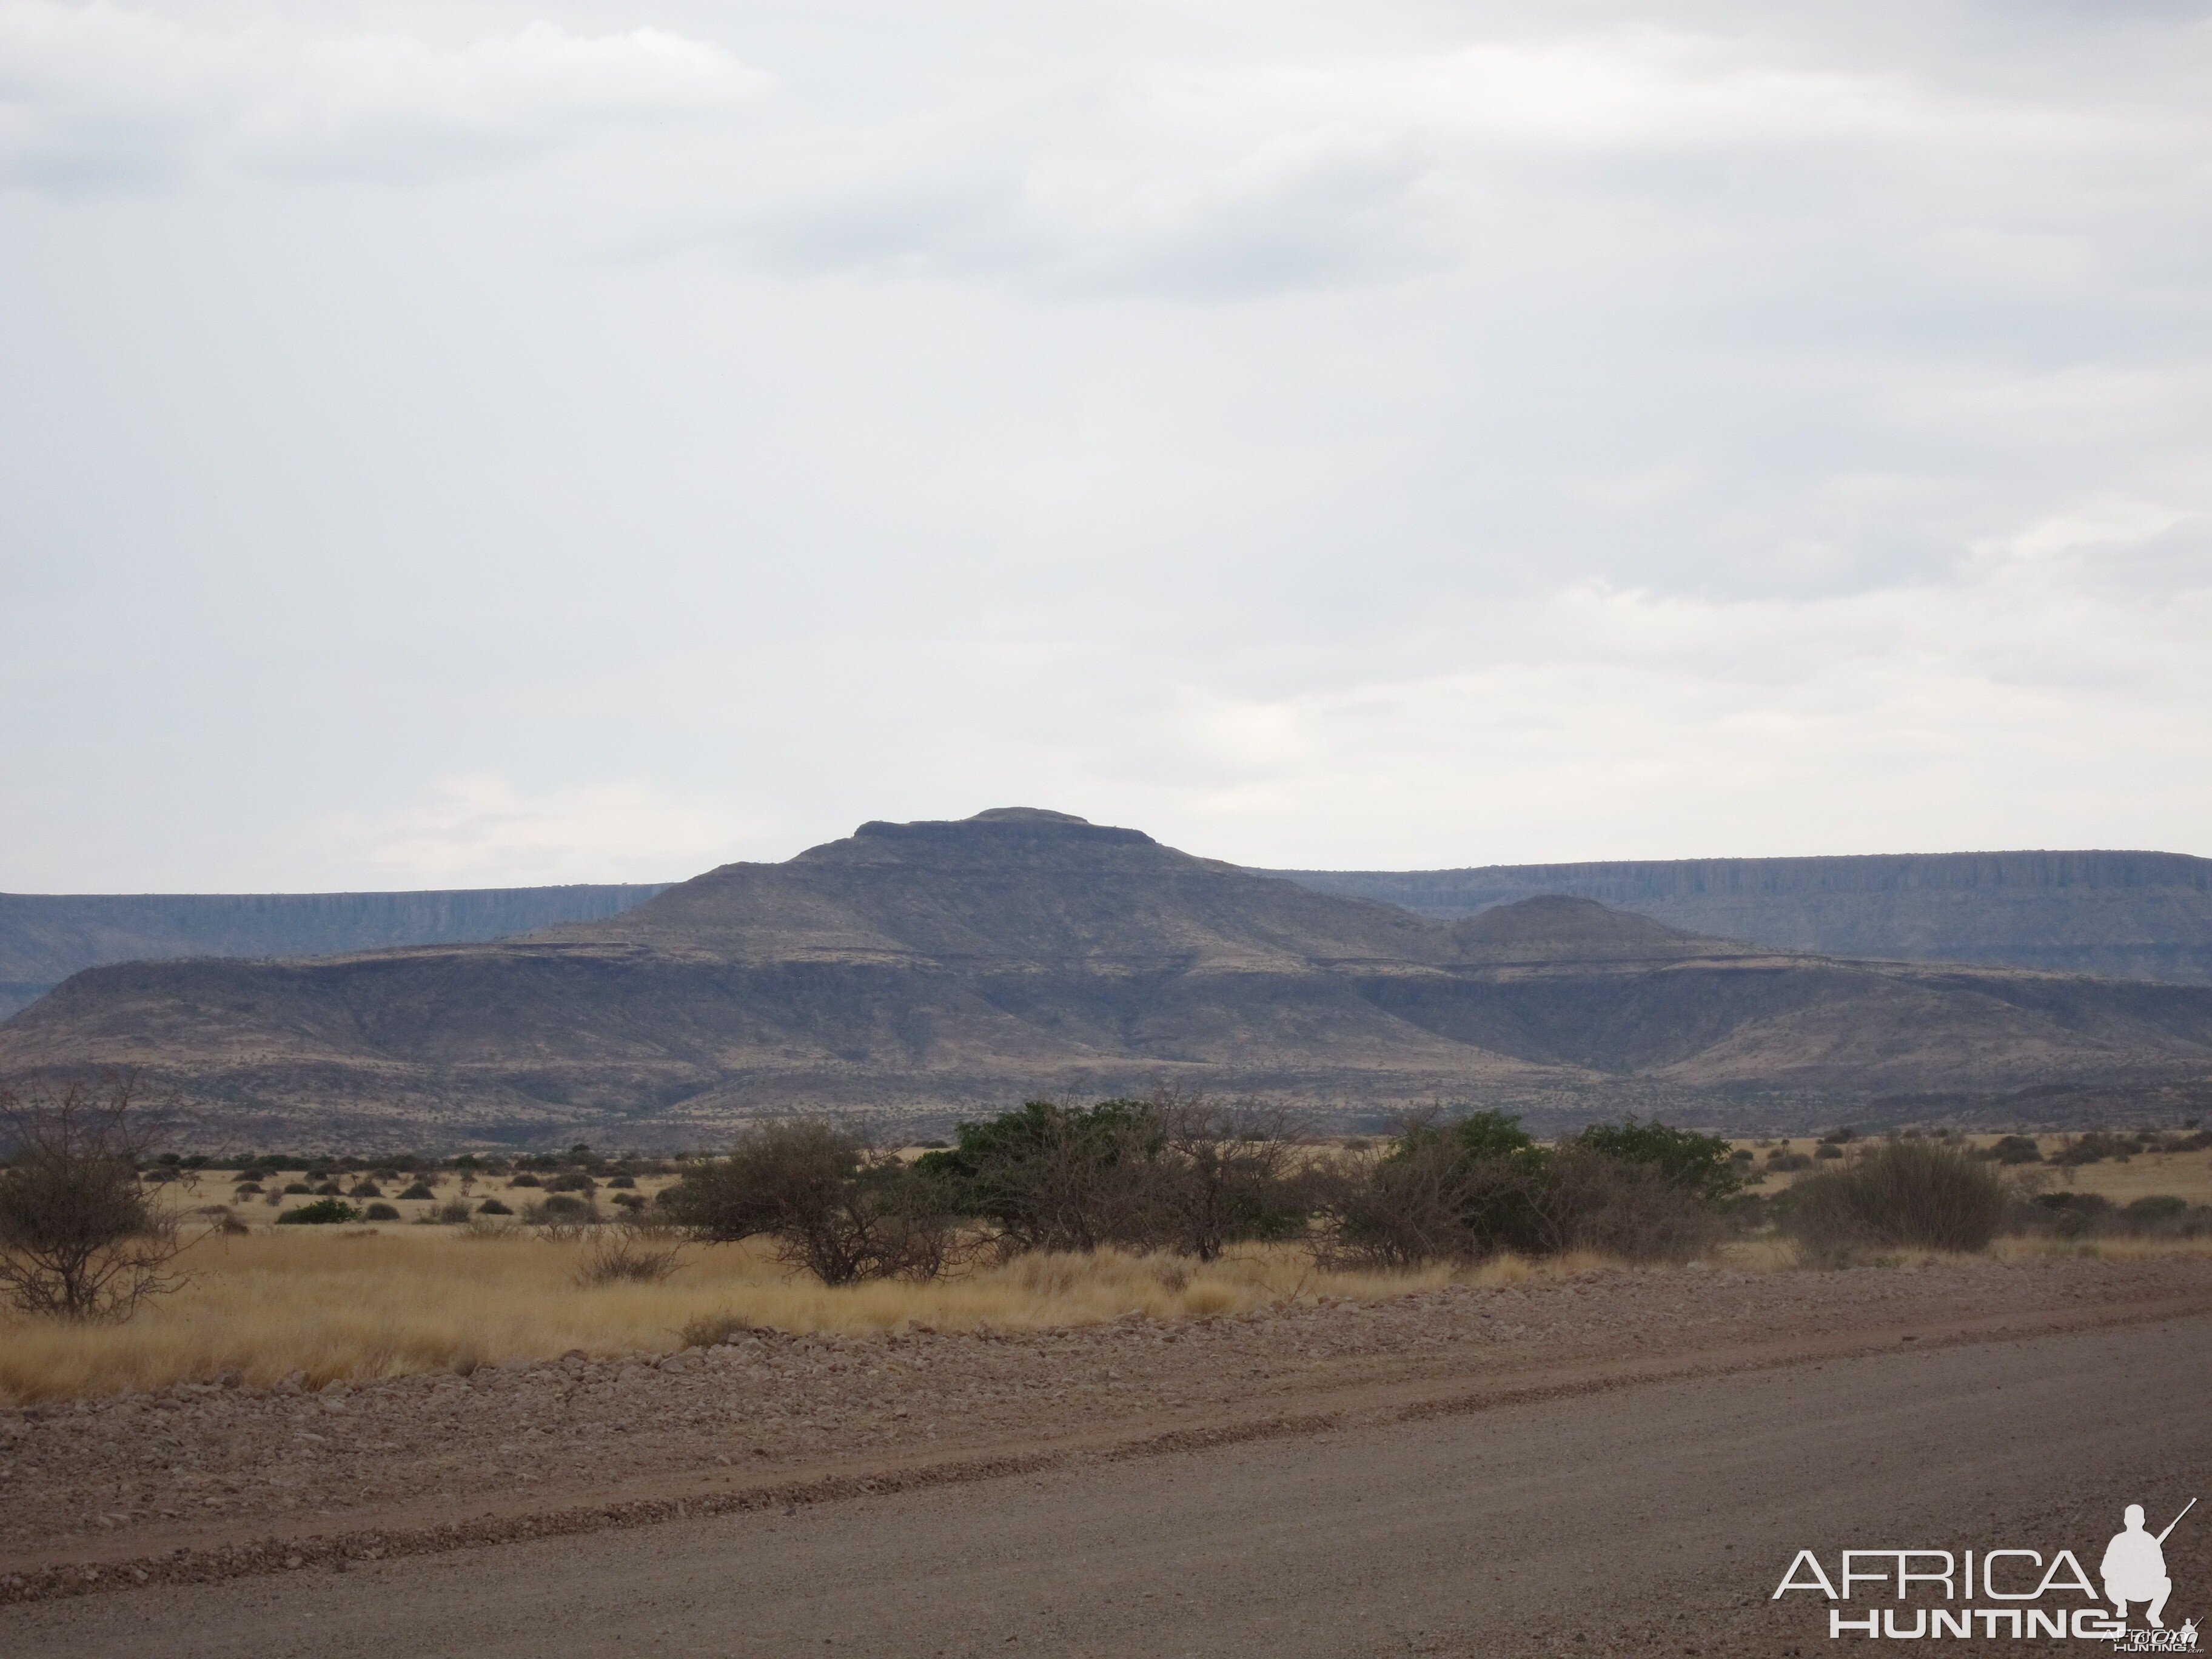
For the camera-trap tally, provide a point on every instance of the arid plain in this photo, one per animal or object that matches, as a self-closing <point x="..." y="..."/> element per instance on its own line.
<point x="406" y="1402"/>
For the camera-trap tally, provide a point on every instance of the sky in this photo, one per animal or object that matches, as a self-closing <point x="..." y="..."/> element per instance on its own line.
<point x="476" y="444"/>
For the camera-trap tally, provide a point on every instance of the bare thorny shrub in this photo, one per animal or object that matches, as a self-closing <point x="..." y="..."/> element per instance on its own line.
<point x="79" y="1236"/>
<point x="1409" y="1210"/>
<point x="1223" y="1173"/>
<point x="1906" y="1193"/>
<point x="1592" y="1202"/>
<point x="631" y="1253"/>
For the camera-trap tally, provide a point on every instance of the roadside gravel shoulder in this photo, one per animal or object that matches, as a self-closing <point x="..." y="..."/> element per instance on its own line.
<point x="119" y="1478"/>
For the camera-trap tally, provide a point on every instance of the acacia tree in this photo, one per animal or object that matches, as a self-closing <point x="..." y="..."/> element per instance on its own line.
<point x="1054" y="1177"/>
<point x="831" y="1202"/>
<point x="79" y="1236"/>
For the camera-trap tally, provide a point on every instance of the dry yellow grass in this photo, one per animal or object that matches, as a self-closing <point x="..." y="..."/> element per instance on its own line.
<point x="358" y="1302"/>
<point x="332" y="1302"/>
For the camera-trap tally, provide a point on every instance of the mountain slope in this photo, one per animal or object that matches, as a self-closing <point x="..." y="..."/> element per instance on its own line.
<point x="921" y="970"/>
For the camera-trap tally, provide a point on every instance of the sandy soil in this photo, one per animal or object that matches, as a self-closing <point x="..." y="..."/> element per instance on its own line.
<point x="429" y="1462"/>
<point x="1644" y="1519"/>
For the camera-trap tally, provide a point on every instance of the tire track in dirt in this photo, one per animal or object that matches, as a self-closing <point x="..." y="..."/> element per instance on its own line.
<point x="423" y="1531"/>
<point x="1628" y="1522"/>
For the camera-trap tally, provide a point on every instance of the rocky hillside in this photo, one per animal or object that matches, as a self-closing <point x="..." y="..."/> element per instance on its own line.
<point x="2124" y="916"/>
<point x="920" y="971"/>
<point x="45" y="937"/>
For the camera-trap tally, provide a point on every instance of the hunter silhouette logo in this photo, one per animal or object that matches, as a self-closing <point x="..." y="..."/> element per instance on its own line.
<point x="2025" y="1595"/>
<point x="2135" y="1566"/>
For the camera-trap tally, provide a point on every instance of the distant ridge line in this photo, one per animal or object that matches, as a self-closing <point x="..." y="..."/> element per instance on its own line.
<point x="46" y="937"/>
<point x="2129" y="915"/>
<point x="2134" y="914"/>
<point x="1861" y="871"/>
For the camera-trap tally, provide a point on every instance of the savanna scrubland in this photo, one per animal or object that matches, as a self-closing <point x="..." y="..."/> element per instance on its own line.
<point x="1056" y="1216"/>
<point x="574" y="1340"/>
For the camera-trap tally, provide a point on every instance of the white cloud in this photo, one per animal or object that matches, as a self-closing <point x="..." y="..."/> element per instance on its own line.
<point x="2019" y="703"/>
<point x="1319" y="435"/>
<point x="483" y="831"/>
<point x="100" y="93"/>
<point x="1214" y="179"/>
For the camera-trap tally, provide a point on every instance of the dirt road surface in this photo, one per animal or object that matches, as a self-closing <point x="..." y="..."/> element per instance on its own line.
<point x="1650" y="1518"/>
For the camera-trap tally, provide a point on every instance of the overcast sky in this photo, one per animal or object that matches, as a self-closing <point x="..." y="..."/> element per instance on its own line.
<point x="470" y="444"/>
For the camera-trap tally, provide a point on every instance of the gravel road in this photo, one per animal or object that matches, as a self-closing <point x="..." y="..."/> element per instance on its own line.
<point x="1648" y="1518"/>
<point x="202" y="1467"/>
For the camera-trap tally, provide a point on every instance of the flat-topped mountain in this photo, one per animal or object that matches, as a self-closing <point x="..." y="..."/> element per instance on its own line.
<point x="925" y="970"/>
<point x="2124" y="916"/>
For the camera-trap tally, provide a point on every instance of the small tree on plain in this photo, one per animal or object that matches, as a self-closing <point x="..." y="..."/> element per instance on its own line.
<point x="1226" y="1173"/>
<point x="832" y="1203"/>
<point x="1057" y="1177"/>
<point x="80" y="1238"/>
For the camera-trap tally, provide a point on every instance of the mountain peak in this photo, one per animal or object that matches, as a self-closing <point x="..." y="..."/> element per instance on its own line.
<point x="1023" y="815"/>
<point x="1000" y="835"/>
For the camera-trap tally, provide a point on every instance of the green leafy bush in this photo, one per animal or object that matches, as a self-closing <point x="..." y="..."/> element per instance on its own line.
<point x="1699" y="1165"/>
<point x="2016" y="1149"/>
<point x="1469" y="1189"/>
<point x="1054" y="1177"/>
<point x="380" y="1212"/>
<point x="831" y="1203"/>
<point x="323" y="1212"/>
